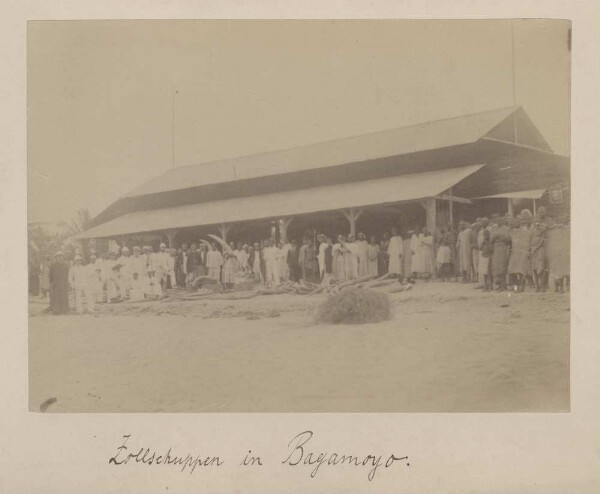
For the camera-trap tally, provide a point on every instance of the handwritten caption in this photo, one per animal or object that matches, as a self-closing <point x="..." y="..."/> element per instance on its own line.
<point x="298" y="454"/>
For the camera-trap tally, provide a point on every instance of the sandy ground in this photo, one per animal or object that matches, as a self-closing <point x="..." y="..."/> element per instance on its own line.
<point x="448" y="348"/>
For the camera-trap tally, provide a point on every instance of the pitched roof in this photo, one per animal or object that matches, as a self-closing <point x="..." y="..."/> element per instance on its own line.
<point x="281" y="204"/>
<point x="436" y="134"/>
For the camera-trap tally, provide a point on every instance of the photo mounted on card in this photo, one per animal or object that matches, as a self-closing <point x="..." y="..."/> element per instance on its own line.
<point x="299" y="215"/>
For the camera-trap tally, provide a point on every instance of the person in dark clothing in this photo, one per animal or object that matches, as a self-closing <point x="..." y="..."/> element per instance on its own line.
<point x="201" y="256"/>
<point x="328" y="258"/>
<point x="179" y="276"/>
<point x="59" y="285"/>
<point x="192" y="261"/>
<point x="292" y="261"/>
<point x="487" y="249"/>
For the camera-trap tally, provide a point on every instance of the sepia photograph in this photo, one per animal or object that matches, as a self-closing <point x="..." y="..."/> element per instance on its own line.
<point x="299" y="216"/>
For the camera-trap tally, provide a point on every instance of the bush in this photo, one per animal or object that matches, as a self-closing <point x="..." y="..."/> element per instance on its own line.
<point x="355" y="306"/>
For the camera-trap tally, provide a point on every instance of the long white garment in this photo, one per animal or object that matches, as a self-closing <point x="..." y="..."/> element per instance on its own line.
<point x="395" y="251"/>
<point x="482" y="263"/>
<point x="79" y="279"/>
<point x="351" y="258"/>
<point x="256" y="264"/>
<point x="282" y="263"/>
<point x="321" y="258"/>
<point x="284" y="270"/>
<point x="339" y="263"/>
<point x="426" y="252"/>
<point x="94" y="277"/>
<point x="160" y="262"/>
<point x="363" y="258"/>
<point x="152" y="286"/>
<point x="373" y="257"/>
<point x="124" y="275"/>
<point x="463" y="251"/>
<point x="138" y="266"/>
<point x="184" y="266"/>
<point x="214" y="261"/>
<point x="271" y="266"/>
<point x="242" y="257"/>
<point x="171" y="271"/>
<point x="78" y="276"/>
<point x="417" y="258"/>
<point x="93" y="282"/>
<point x="109" y="279"/>
<point x="149" y="258"/>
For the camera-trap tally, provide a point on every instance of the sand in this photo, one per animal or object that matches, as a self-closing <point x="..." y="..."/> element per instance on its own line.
<point x="447" y="348"/>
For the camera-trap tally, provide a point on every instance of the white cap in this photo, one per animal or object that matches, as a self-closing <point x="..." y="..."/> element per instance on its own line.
<point x="163" y="244"/>
<point x="77" y="258"/>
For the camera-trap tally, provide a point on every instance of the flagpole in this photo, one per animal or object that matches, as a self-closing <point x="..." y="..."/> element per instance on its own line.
<point x="512" y="38"/>
<point x="514" y="85"/>
<point x="173" y="129"/>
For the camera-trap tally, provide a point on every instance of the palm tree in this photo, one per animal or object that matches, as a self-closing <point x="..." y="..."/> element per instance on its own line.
<point x="78" y="224"/>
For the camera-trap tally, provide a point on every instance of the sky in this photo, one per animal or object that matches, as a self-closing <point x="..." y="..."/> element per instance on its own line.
<point x="112" y="104"/>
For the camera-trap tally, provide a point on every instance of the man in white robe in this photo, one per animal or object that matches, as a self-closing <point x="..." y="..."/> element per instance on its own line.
<point x="242" y="257"/>
<point x="415" y="262"/>
<point x="321" y="255"/>
<point x="284" y="270"/>
<point x="94" y="268"/>
<point x="109" y="277"/>
<point x="271" y="264"/>
<point x="351" y="258"/>
<point x="395" y="253"/>
<point x="256" y="267"/>
<point x="79" y="280"/>
<point x="463" y="251"/>
<point x="124" y="273"/>
<point x="138" y="264"/>
<point x="172" y="280"/>
<point x="93" y="281"/>
<point x="339" y="262"/>
<point x="214" y="261"/>
<point x="482" y="262"/>
<point x="426" y="254"/>
<point x="363" y="258"/>
<point x="281" y="261"/>
<point x="160" y="261"/>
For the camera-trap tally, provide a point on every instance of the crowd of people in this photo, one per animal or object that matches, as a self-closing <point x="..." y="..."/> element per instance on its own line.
<point x="495" y="253"/>
<point x="505" y="252"/>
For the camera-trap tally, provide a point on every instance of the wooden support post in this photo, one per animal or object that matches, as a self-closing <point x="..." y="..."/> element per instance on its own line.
<point x="430" y="206"/>
<point x="223" y="231"/>
<point x="352" y="216"/>
<point x="510" y="206"/>
<point x="534" y="209"/>
<point x="171" y="237"/>
<point x="283" y="224"/>
<point x="430" y="214"/>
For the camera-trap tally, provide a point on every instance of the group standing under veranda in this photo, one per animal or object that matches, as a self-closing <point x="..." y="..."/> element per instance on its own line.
<point x="501" y="251"/>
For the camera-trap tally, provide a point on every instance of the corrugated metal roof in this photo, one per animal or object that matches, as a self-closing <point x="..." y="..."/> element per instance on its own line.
<point x="436" y="134"/>
<point x="522" y="194"/>
<point x="326" y="198"/>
